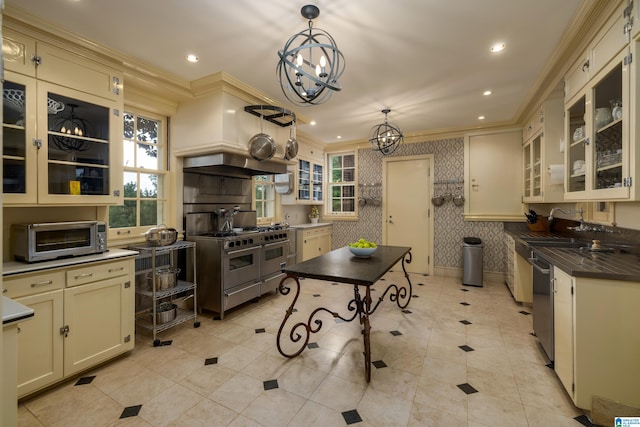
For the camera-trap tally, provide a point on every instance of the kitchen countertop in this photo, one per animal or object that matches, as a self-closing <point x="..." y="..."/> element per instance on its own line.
<point x="17" y="267"/>
<point x="309" y="225"/>
<point x="13" y="311"/>
<point x="580" y="262"/>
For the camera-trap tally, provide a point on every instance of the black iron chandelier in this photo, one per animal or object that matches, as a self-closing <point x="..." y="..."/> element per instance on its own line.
<point x="386" y="137"/>
<point x="71" y="129"/>
<point x="310" y="64"/>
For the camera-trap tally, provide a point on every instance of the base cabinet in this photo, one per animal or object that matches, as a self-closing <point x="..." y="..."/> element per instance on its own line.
<point x="313" y="242"/>
<point x="519" y="273"/>
<point x="82" y="316"/>
<point x="597" y="345"/>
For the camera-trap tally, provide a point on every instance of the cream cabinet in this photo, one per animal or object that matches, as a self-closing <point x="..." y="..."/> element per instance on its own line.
<point x="544" y="136"/>
<point x="489" y="196"/>
<point x="309" y="183"/>
<point x="82" y="316"/>
<point x="313" y="241"/>
<point x="61" y="127"/>
<point x="595" y="335"/>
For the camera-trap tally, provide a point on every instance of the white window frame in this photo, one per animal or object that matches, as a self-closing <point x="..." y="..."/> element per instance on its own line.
<point x="328" y="205"/>
<point x="135" y="232"/>
<point x="269" y="201"/>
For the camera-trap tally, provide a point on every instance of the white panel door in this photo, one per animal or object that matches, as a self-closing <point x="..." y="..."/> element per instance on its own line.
<point x="407" y="219"/>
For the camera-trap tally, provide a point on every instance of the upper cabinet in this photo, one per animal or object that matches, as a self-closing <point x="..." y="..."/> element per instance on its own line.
<point x="542" y="148"/>
<point x="61" y="126"/>
<point x="309" y="183"/>
<point x="599" y="157"/>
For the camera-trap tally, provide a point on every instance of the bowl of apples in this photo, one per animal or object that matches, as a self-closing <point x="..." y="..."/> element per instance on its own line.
<point x="362" y="248"/>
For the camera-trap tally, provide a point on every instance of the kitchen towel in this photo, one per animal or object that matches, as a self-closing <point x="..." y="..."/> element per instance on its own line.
<point x="557" y="174"/>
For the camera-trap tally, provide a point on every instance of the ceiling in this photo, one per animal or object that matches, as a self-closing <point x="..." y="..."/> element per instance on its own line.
<point x="426" y="60"/>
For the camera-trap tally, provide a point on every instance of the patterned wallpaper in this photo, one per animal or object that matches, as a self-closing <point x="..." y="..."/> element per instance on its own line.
<point x="449" y="226"/>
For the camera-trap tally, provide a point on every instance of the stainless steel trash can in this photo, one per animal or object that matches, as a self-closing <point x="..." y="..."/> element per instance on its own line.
<point x="472" y="261"/>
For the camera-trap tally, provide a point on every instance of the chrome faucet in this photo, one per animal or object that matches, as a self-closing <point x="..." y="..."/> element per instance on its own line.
<point x="580" y="211"/>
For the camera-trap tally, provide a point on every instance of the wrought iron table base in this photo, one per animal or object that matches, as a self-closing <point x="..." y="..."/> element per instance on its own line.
<point x="360" y="307"/>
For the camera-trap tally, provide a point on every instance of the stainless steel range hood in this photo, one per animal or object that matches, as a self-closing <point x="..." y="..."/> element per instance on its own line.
<point x="231" y="164"/>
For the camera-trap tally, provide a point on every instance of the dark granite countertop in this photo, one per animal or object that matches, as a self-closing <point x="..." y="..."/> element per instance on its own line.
<point x="580" y="262"/>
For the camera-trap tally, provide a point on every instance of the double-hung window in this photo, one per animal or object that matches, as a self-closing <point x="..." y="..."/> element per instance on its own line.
<point x="264" y="198"/>
<point x="342" y="185"/>
<point x="145" y="175"/>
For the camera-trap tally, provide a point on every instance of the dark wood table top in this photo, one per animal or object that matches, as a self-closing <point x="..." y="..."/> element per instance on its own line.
<point x="342" y="266"/>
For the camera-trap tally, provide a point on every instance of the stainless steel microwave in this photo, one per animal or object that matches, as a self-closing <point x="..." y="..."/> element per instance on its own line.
<point x="47" y="241"/>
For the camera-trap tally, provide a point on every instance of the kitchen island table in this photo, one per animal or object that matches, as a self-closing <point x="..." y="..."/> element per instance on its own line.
<point x="343" y="267"/>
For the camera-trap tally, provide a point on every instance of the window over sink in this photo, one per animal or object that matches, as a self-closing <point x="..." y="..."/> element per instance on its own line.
<point x="342" y="185"/>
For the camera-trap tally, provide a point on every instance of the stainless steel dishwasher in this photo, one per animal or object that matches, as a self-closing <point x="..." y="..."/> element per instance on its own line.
<point x="543" y="303"/>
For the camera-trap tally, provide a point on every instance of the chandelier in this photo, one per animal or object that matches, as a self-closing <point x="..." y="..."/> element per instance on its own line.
<point x="70" y="128"/>
<point x="310" y="64"/>
<point x="386" y="137"/>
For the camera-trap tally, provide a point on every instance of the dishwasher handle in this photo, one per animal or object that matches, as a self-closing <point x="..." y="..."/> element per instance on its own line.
<point x="542" y="270"/>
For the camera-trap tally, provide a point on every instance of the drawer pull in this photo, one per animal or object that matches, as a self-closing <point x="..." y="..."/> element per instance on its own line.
<point x="113" y="270"/>
<point x="83" y="275"/>
<point x="46" y="282"/>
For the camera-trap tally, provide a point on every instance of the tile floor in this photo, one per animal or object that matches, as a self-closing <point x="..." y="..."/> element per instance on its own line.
<point x="459" y="356"/>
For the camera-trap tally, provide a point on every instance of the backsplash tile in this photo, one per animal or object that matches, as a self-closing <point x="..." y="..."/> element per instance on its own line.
<point x="449" y="225"/>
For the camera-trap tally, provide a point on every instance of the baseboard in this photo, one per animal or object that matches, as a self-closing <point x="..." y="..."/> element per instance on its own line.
<point x="456" y="272"/>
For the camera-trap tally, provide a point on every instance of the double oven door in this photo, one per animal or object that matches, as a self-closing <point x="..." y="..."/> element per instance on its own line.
<point x="273" y="260"/>
<point x="240" y="276"/>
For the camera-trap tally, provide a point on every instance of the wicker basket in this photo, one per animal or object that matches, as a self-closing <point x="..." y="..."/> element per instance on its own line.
<point x="540" y="225"/>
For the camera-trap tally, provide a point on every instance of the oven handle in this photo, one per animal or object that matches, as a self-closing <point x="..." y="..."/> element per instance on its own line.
<point x="281" y="242"/>
<point x="252" y="248"/>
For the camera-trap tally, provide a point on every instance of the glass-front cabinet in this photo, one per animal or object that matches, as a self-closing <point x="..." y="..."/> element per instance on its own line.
<point x="532" y="168"/>
<point x="56" y="144"/>
<point x="309" y="183"/>
<point x="597" y="134"/>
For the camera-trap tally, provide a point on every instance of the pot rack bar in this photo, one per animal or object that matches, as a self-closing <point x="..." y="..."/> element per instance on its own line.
<point x="276" y="115"/>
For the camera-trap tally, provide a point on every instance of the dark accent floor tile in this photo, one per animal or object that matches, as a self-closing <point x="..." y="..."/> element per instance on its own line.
<point x="415" y="296"/>
<point x="167" y="342"/>
<point x="313" y="345"/>
<point x="383" y="279"/>
<point x="464" y="290"/>
<point x="395" y="333"/>
<point x="295" y="310"/>
<point x="467" y="388"/>
<point x="131" y="411"/>
<point x="466" y="348"/>
<point x="425" y="274"/>
<point x="379" y="364"/>
<point x="464" y="303"/>
<point x="334" y="283"/>
<point x="351" y="417"/>
<point x="260" y="331"/>
<point x="526" y="313"/>
<point x="270" y="384"/>
<point x="85" y="380"/>
<point x="211" y="361"/>
<point x="407" y="311"/>
<point x="465" y="322"/>
<point x="316" y="295"/>
<point x="549" y="365"/>
<point x="420" y="284"/>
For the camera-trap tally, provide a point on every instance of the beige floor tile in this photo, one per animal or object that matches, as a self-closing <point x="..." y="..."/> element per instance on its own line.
<point x="205" y="414"/>
<point x="442" y="396"/>
<point x="206" y="379"/>
<point x="493" y="384"/>
<point x="490" y="410"/>
<point x="428" y="416"/>
<point x="319" y="359"/>
<point x="238" y="392"/>
<point x="274" y="407"/>
<point x="169" y="405"/>
<point x="242" y="421"/>
<point x="26" y="418"/>
<point x="300" y="380"/>
<point x="64" y="402"/>
<point x="394" y="382"/>
<point x="381" y="409"/>
<point x="444" y="370"/>
<point x="268" y="367"/>
<point x="141" y="391"/>
<point x="315" y="415"/>
<point x="102" y="411"/>
<point x="338" y="394"/>
<point x="238" y="357"/>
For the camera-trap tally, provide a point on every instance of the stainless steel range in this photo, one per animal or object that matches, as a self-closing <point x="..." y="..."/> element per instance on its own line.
<point x="233" y="268"/>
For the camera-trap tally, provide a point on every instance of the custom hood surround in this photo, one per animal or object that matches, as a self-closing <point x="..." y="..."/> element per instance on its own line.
<point x="231" y="164"/>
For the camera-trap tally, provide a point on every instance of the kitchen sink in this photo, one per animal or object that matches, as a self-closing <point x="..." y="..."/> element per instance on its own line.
<point x="555" y="242"/>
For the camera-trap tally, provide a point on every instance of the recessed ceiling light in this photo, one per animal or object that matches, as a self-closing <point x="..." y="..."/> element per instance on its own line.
<point x="339" y="137"/>
<point x="486" y="93"/>
<point x="192" y="58"/>
<point x="497" y="47"/>
<point x="480" y="117"/>
<point x="312" y="122"/>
